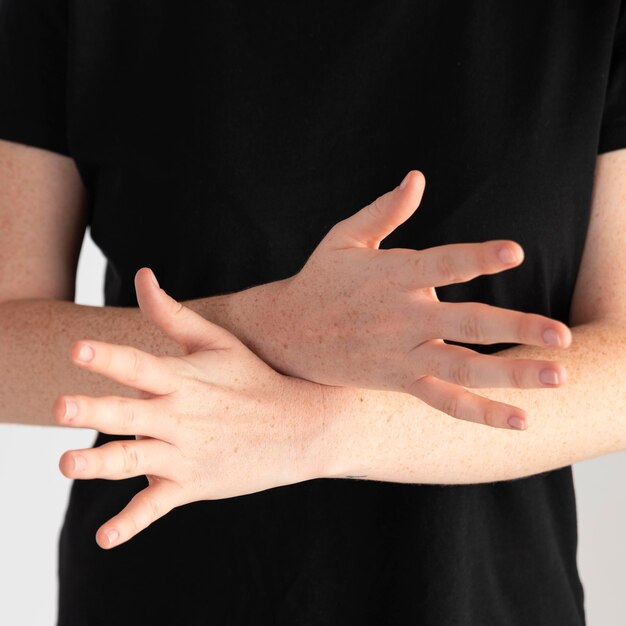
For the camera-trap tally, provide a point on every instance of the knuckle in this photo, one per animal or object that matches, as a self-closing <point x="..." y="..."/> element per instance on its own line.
<point x="417" y="263"/>
<point x="517" y="376"/>
<point x="470" y="327"/>
<point x="130" y="458"/>
<point x="490" y="414"/>
<point x="447" y="267"/>
<point x="376" y="208"/>
<point x="152" y="505"/>
<point x="193" y="383"/>
<point x="461" y="372"/>
<point x="136" y="367"/>
<point x="126" y="413"/>
<point x="450" y="405"/>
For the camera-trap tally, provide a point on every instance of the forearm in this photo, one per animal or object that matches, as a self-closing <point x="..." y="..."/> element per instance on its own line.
<point x="35" y="340"/>
<point x="36" y="336"/>
<point x="397" y="438"/>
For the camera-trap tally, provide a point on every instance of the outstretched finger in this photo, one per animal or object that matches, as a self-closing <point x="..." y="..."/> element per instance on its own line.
<point x="452" y="263"/>
<point x="468" y="368"/>
<point x="147" y="506"/>
<point x="120" y="459"/>
<point x="114" y="415"/>
<point x="465" y="405"/>
<point x="126" y="365"/>
<point x="480" y="323"/>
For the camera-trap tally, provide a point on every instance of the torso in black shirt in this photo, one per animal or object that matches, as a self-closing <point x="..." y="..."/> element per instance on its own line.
<point x="219" y="141"/>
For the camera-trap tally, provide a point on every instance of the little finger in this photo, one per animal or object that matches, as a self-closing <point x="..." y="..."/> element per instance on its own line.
<point x="146" y="507"/>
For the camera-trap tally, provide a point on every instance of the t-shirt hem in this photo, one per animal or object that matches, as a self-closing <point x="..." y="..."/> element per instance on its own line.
<point x="35" y="136"/>
<point x="612" y="137"/>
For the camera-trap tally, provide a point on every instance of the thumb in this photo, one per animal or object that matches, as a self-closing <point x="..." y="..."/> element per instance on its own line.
<point x="189" y="329"/>
<point x="369" y="226"/>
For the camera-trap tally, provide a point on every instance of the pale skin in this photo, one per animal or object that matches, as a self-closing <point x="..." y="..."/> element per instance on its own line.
<point x="335" y="431"/>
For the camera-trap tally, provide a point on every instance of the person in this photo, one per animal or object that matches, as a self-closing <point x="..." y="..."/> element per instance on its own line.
<point x="290" y="390"/>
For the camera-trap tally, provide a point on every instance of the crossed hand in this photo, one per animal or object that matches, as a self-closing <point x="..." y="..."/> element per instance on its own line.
<point x="219" y="422"/>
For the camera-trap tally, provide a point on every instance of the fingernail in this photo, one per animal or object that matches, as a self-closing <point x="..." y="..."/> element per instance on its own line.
<point x="516" y="422"/>
<point x="154" y="280"/>
<point x="80" y="463"/>
<point x="85" y="354"/>
<point x="551" y="337"/>
<point x="112" y="536"/>
<point x="71" y="409"/>
<point x="549" y="377"/>
<point x="507" y="255"/>
<point x="404" y="181"/>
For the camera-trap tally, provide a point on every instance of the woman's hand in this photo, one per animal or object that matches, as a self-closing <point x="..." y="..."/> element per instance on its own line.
<point x="359" y="316"/>
<point x="214" y="423"/>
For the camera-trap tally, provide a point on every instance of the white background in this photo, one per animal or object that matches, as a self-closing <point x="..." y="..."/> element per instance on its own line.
<point x="33" y="497"/>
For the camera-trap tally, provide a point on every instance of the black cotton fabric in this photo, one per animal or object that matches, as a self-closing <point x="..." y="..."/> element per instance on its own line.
<point x="219" y="141"/>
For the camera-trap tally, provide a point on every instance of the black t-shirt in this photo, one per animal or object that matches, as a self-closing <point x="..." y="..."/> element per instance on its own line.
<point x="219" y="141"/>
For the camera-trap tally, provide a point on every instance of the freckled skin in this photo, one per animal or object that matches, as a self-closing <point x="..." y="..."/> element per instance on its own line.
<point x="578" y="421"/>
<point x="583" y="419"/>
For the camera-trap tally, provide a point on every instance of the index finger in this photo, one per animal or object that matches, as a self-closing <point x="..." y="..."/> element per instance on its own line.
<point x="454" y="263"/>
<point x="126" y="365"/>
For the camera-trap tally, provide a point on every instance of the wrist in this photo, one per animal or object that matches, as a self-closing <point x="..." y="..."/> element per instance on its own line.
<point x="257" y="316"/>
<point x="310" y="423"/>
<point x="254" y="316"/>
<point x="355" y="428"/>
<point x="323" y="435"/>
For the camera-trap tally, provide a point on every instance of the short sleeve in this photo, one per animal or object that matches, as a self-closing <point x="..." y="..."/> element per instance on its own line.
<point x="613" y="128"/>
<point x="33" y="67"/>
